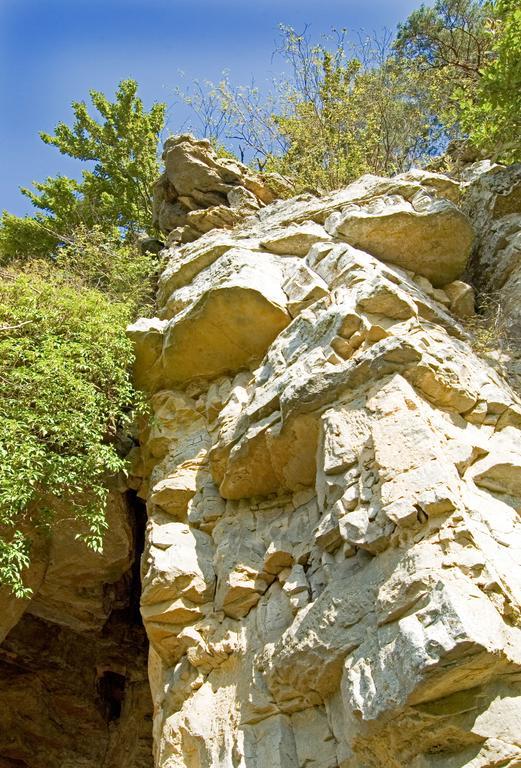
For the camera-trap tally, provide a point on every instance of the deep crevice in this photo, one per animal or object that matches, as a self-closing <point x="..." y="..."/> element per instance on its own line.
<point x="138" y="516"/>
<point x="111" y="691"/>
<point x="130" y="583"/>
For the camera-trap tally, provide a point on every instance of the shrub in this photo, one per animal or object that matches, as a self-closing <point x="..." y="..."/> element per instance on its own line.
<point x="65" y="389"/>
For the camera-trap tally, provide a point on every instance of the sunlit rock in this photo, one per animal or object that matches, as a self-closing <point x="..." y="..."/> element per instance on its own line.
<point x="332" y="474"/>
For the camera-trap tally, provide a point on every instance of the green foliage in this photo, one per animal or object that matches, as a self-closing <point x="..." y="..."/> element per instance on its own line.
<point x="65" y="390"/>
<point x="26" y="237"/>
<point x="382" y="106"/>
<point x="72" y="280"/>
<point x="447" y="43"/>
<point x="120" y="146"/>
<point x="361" y="114"/>
<point x="491" y="113"/>
<point x="449" y="34"/>
<point x="473" y="50"/>
<point x="337" y="115"/>
<point x="123" y="149"/>
<point x="100" y="260"/>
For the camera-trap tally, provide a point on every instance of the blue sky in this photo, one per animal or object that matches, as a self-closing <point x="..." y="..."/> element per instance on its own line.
<point x="53" y="51"/>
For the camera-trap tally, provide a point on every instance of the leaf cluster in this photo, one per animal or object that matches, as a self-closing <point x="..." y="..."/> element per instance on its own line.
<point x="119" y="145"/>
<point x="65" y="391"/>
<point x="491" y="113"/>
<point x="448" y="35"/>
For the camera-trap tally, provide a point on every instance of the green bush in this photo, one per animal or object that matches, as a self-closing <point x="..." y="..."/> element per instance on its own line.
<point x="65" y="390"/>
<point x="111" y="265"/>
<point x="71" y="281"/>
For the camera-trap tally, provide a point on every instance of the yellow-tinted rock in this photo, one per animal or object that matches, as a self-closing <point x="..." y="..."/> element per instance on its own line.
<point x="223" y="321"/>
<point x="228" y="329"/>
<point x="429" y="237"/>
<point x="343" y="589"/>
<point x="295" y="240"/>
<point x="461" y="297"/>
<point x="147" y="337"/>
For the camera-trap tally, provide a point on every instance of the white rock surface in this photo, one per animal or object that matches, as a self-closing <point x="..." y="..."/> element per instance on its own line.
<point x="333" y="564"/>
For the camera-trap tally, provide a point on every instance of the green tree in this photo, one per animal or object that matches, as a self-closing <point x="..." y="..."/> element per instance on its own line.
<point x="65" y="389"/>
<point x="449" y="34"/>
<point x="448" y="42"/>
<point x="491" y="113"/>
<point x="364" y="113"/>
<point x="338" y="114"/>
<point x="120" y="145"/>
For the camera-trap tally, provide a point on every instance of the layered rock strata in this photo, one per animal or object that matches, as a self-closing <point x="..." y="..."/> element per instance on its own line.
<point x="332" y="569"/>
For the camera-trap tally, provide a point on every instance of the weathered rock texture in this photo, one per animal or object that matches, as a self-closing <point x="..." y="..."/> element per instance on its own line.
<point x="200" y="191"/>
<point x="332" y="571"/>
<point x="493" y="202"/>
<point x="73" y="669"/>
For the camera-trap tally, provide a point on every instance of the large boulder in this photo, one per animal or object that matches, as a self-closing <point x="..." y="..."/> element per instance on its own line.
<point x="430" y="237"/>
<point x="224" y="320"/>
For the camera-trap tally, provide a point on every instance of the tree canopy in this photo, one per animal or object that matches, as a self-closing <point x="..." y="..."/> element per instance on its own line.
<point x="120" y="147"/>
<point x="491" y="115"/>
<point x="450" y="33"/>
<point x="71" y="281"/>
<point x="380" y="104"/>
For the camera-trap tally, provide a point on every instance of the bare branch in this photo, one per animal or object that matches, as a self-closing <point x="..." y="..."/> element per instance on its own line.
<point x="4" y="328"/>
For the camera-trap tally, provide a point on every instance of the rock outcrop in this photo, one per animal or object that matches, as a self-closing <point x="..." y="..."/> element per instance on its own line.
<point x="200" y="191"/>
<point x="73" y="662"/>
<point x="493" y="202"/>
<point x="332" y="568"/>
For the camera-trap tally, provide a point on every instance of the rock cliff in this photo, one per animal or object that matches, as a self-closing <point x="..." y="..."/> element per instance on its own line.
<point x="331" y="574"/>
<point x="332" y="567"/>
<point x="73" y="661"/>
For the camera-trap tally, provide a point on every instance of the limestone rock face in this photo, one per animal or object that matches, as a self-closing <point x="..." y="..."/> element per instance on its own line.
<point x="409" y="233"/>
<point x="200" y="191"/>
<point x="332" y="570"/>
